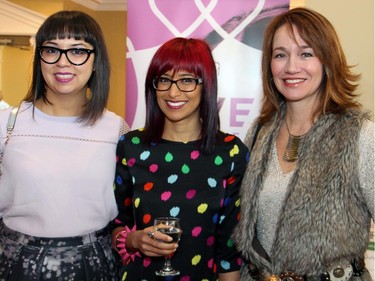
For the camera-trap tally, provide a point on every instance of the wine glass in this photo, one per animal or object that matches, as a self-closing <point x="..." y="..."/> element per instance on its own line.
<point x="171" y="227"/>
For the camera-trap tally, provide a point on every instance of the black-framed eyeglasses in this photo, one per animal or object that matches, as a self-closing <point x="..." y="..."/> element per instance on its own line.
<point x="187" y="84"/>
<point x="76" y="56"/>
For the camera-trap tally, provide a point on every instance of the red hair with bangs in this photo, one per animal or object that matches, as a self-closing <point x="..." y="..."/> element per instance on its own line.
<point x="194" y="56"/>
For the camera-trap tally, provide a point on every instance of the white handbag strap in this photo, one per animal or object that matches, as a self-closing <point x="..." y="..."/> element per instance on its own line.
<point x="11" y="122"/>
<point x="10" y="126"/>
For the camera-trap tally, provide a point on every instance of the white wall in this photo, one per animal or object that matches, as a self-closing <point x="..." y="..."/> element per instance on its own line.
<point x="354" y="22"/>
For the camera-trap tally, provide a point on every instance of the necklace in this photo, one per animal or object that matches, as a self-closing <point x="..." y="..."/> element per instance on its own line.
<point x="292" y="148"/>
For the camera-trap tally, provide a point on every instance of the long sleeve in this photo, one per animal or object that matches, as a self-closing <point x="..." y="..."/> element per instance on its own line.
<point x="123" y="187"/>
<point x="230" y="210"/>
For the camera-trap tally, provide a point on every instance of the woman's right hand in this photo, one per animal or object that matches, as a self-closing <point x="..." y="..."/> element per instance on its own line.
<point x="151" y="242"/>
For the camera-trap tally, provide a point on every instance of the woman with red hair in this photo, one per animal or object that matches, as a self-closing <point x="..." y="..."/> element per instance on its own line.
<point x="179" y="165"/>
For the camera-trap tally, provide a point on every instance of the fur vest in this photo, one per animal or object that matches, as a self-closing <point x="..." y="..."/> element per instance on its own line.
<point x="324" y="218"/>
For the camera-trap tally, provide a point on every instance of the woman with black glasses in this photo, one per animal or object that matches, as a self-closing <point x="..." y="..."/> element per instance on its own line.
<point x="56" y="186"/>
<point x="179" y="165"/>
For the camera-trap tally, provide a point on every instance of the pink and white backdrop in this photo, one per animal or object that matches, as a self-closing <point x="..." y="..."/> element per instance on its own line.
<point x="233" y="28"/>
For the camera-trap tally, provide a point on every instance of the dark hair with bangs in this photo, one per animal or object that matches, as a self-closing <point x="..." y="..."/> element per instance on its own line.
<point x="195" y="57"/>
<point x="337" y="90"/>
<point x="79" y="26"/>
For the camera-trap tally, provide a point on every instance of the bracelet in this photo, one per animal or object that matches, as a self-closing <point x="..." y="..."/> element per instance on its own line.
<point x="126" y="256"/>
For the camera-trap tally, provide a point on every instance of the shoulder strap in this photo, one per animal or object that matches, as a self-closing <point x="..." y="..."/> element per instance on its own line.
<point x="11" y="122"/>
<point x="10" y="126"/>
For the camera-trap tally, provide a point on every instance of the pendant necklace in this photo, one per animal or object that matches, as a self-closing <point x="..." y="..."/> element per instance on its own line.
<point x="292" y="148"/>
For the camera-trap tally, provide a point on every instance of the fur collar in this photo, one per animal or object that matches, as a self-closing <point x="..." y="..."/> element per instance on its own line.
<point x="323" y="218"/>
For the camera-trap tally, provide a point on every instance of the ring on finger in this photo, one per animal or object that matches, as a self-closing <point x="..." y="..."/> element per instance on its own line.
<point x="151" y="234"/>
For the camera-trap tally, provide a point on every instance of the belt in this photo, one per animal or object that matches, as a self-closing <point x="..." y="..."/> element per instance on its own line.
<point x="25" y="239"/>
<point x="338" y="273"/>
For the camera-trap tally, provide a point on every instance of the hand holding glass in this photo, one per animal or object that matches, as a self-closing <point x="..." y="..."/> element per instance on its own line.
<point x="171" y="227"/>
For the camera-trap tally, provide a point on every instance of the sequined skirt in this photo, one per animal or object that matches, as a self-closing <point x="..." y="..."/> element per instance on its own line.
<point x="79" y="258"/>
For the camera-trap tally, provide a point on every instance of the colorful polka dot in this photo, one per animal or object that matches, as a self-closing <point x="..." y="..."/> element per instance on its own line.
<point x="128" y="202"/>
<point x="153" y="168"/>
<point x="118" y="180"/>
<point x="172" y="179"/>
<point x="202" y="208"/>
<point x="229" y="138"/>
<point x="166" y="195"/>
<point x="225" y="265"/>
<point x="221" y="219"/>
<point x="145" y="155"/>
<point x="168" y="157"/>
<point x="146" y="218"/>
<point x="231" y="180"/>
<point x="215" y="218"/>
<point x="227" y="201"/>
<point x="136" y="202"/>
<point x="234" y="151"/>
<point x="123" y="162"/>
<point x="176" y="179"/>
<point x="224" y="183"/>
<point x="196" y="231"/>
<point x="230" y="243"/>
<point x="237" y="203"/>
<point x="210" y="241"/>
<point x="194" y="154"/>
<point x="174" y="211"/>
<point x="135" y="140"/>
<point x="218" y="160"/>
<point x="148" y="186"/>
<point x="146" y="262"/>
<point x="196" y="259"/>
<point x="191" y="194"/>
<point x="212" y="182"/>
<point x="185" y="169"/>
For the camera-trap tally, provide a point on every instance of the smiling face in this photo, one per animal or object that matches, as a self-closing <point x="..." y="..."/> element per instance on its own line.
<point x="296" y="71"/>
<point x="64" y="78"/>
<point x="179" y="106"/>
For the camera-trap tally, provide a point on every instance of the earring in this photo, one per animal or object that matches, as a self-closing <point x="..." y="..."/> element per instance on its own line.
<point x="88" y="93"/>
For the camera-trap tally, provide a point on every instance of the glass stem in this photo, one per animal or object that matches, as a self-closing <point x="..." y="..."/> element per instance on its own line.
<point x="167" y="264"/>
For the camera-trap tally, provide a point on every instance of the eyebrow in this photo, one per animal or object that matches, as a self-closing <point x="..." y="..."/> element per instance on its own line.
<point x="284" y="49"/>
<point x="182" y="75"/>
<point x="75" y="45"/>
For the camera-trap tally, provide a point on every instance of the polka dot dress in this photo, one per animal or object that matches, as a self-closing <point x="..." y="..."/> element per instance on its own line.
<point x="176" y="179"/>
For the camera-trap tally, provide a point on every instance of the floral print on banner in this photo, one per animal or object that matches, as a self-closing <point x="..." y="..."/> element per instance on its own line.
<point x="176" y="179"/>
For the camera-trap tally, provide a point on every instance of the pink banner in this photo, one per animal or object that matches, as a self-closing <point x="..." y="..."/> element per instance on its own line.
<point x="233" y="28"/>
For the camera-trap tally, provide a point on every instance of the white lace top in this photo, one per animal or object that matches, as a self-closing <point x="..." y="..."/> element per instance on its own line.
<point x="58" y="174"/>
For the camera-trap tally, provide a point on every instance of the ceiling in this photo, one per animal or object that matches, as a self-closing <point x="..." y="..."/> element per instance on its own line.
<point x="103" y="5"/>
<point x="22" y="23"/>
<point x="17" y="20"/>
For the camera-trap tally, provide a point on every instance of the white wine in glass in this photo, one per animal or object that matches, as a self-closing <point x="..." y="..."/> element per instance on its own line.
<point x="171" y="227"/>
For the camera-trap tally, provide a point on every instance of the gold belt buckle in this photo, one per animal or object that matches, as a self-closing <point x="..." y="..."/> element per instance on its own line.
<point x="286" y="276"/>
<point x="273" y="277"/>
